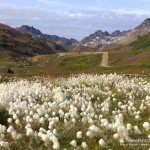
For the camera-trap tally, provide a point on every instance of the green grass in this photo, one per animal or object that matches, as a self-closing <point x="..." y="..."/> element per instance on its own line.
<point x="142" y="43"/>
<point x="136" y="54"/>
<point x="57" y="66"/>
<point x="82" y="63"/>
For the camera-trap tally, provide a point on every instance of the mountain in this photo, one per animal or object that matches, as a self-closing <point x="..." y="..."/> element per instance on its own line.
<point x="30" y="30"/>
<point x="102" y="39"/>
<point x="141" y="30"/>
<point x="67" y="43"/>
<point x="99" y="39"/>
<point x="144" y="28"/>
<point x="118" y="33"/>
<point x="17" y="43"/>
<point x="97" y="35"/>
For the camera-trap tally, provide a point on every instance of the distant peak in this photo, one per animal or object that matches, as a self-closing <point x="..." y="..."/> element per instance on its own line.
<point x="146" y="23"/>
<point x="101" y="33"/>
<point x="26" y="26"/>
<point x="106" y="33"/>
<point x="98" y="32"/>
<point x="116" y="33"/>
<point x="30" y="29"/>
<point x="148" y="19"/>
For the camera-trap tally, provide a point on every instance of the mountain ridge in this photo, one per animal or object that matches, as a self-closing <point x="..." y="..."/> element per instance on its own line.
<point x="67" y="43"/>
<point x="18" y="43"/>
<point x="99" y="39"/>
<point x="29" y="39"/>
<point x="105" y="39"/>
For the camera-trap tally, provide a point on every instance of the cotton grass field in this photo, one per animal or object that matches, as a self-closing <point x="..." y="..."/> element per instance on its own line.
<point x="79" y="112"/>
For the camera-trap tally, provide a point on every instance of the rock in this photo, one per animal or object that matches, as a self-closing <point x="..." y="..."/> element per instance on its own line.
<point x="4" y="69"/>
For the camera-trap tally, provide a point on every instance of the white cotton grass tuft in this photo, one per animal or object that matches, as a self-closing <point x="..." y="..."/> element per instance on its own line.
<point x="146" y="126"/>
<point x="79" y="135"/>
<point x="102" y="143"/>
<point x="84" y="145"/>
<point x="47" y="109"/>
<point x="129" y="126"/>
<point x="56" y="146"/>
<point x="9" y="120"/>
<point x="73" y="143"/>
<point x="116" y="136"/>
<point x="121" y="141"/>
<point x="19" y="136"/>
<point x="4" y="144"/>
<point x="137" y="130"/>
<point x="10" y="129"/>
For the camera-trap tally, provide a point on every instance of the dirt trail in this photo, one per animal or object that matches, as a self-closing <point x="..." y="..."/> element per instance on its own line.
<point x="104" y="62"/>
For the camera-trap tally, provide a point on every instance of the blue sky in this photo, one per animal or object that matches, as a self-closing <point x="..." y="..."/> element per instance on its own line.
<point x="74" y="18"/>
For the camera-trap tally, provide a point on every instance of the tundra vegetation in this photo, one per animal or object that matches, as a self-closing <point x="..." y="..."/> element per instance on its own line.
<point x="78" y="112"/>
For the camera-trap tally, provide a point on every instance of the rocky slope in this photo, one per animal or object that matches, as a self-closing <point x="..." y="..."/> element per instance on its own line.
<point x="67" y="43"/>
<point x="102" y="39"/>
<point x="18" y="43"/>
<point x="141" y="30"/>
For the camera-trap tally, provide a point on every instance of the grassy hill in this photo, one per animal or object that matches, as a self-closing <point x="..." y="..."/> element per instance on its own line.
<point x="136" y="53"/>
<point x="54" y="64"/>
<point x="57" y="65"/>
<point x="80" y="49"/>
<point x="142" y="44"/>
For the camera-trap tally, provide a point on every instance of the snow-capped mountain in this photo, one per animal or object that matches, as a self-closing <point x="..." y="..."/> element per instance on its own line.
<point x="100" y="39"/>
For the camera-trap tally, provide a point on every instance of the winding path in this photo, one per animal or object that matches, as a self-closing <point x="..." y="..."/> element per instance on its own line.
<point x="104" y="62"/>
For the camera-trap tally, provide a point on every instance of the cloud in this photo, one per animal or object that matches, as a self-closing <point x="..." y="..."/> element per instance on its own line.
<point x="138" y="12"/>
<point x="76" y="23"/>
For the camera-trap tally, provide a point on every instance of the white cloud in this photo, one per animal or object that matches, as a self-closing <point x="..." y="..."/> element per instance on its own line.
<point x="136" y="11"/>
<point x="76" y="24"/>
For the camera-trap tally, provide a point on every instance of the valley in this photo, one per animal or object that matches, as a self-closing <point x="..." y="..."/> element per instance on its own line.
<point x="20" y="48"/>
<point x="74" y="75"/>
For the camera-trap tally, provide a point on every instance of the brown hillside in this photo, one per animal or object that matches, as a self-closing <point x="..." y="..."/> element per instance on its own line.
<point x="16" y="43"/>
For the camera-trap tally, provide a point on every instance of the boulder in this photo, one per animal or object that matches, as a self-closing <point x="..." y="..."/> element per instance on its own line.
<point x="4" y="69"/>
